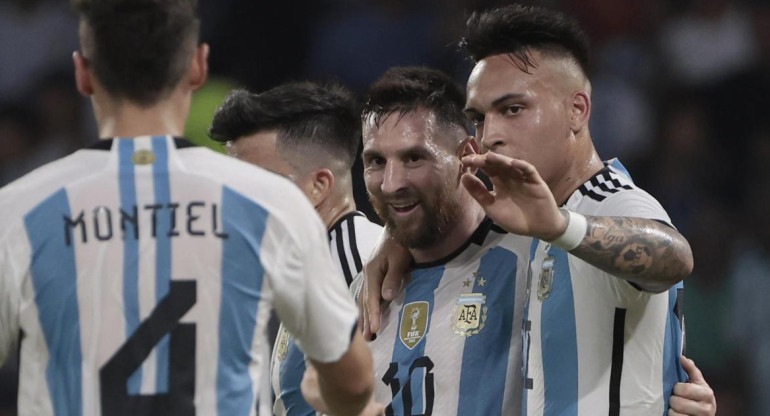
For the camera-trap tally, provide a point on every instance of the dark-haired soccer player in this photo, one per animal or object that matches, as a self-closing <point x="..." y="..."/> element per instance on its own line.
<point x="602" y="327"/>
<point x="310" y="133"/>
<point x="450" y="342"/>
<point x="141" y="271"/>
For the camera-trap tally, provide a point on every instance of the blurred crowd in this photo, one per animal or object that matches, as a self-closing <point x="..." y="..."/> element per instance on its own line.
<point x="681" y="92"/>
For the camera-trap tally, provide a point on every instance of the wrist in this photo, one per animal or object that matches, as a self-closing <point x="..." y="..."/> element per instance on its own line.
<point x="577" y="225"/>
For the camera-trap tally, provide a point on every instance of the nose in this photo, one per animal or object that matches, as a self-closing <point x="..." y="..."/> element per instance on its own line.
<point x="394" y="178"/>
<point x="491" y="136"/>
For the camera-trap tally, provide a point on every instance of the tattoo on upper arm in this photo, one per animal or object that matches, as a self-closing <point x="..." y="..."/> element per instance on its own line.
<point x="640" y="250"/>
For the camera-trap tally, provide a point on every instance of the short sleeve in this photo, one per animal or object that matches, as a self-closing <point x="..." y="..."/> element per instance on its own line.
<point x="633" y="203"/>
<point x="312" y="299"/>
<point x="9" y="305"/>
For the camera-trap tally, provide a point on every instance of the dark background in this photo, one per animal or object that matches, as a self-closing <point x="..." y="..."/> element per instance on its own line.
<point x="681" y="96"/>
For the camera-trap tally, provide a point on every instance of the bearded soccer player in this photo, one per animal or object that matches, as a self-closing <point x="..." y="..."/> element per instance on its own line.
<point x="309" y="133"/>
<point x="141" y="271"/>
<point x="450" y="341"/>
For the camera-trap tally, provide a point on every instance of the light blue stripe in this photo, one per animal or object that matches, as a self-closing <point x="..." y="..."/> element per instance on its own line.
<point x="242" y="272"/>
<point x="54" y="277"/>
<point x="620" y="168"/>
<point x="525" y="344"/>
<point x="127" y="185"/>
<point x="290" y="374"/>
<point x="421" y="288"/>
<point x="559" y="340"/>
<point x="672" y="367"/>
<point x="485" y="356"/>
<point x="163" y="249"/>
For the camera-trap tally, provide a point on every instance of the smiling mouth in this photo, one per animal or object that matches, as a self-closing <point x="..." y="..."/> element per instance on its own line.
<point x="404" y="208"/>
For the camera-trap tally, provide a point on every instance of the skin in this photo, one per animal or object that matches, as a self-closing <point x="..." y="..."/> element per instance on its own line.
<point x="326" y="183"/>
<point x="409" y="162"/>
<point x="535" y="126"/>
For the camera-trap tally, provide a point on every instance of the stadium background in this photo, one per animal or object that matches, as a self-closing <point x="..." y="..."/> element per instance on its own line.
<point x="681" y="96"/>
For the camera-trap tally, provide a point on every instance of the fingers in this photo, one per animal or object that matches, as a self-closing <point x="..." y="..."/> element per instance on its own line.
<point x="494" y="164"/>
<point x="692" y="371"/>
<point x="477" y="189"/>
<point x="372" y="304"/>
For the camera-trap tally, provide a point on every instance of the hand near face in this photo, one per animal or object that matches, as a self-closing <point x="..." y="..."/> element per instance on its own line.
<point x="520" y="202"/>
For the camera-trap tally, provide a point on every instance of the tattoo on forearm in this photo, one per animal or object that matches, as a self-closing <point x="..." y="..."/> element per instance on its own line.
<point x="640" y="250"/>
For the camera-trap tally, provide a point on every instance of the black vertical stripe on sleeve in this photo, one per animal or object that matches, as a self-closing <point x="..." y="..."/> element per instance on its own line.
<point x="679" y="312"/>
<point x="353" y="245"/>
<point x="341" y="254"/>
<point x="618" y="345"/>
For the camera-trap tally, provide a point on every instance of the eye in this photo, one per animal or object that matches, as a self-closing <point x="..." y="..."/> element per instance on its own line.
<point x="512" y="110"/>
<point x="375" y="161"/>
<point x="477" y="119"/>
<point x="415" y="158"/>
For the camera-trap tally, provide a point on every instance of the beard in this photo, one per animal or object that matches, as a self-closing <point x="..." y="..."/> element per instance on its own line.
<point x="426" y="228"/>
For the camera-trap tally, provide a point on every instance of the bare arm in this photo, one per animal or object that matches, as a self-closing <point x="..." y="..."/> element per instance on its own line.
<point x="346" y="385"/>
<point x="645" y="252"/>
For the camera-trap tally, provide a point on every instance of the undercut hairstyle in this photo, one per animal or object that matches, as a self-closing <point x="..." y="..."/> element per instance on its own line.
<point x="306" y="116"/>
<point x="516" y="30"/>
<point x="402" y="90"/>
<point x="139" y="50"/>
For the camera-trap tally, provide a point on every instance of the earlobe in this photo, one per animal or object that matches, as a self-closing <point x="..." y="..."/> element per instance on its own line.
<point x="83" y="75"/>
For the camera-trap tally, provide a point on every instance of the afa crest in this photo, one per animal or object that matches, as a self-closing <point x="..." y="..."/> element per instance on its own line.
<point x="414" y="323"/>
<point x="143" y="157"/>
<point x="469" y="314"/>
<point x="545" y="283"/>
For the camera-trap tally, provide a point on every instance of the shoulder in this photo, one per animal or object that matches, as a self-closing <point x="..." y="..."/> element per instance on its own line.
<point x="610" y="192"/>
<point x="23" y="194"/>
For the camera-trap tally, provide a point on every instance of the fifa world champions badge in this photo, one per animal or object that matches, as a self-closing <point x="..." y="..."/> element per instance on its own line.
<point x="545" y="282"/>
<point x="414" y="323"/>
<point x="469" y="314"/>
<point x="282" y="346"/>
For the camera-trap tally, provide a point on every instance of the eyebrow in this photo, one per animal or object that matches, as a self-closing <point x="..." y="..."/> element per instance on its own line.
<point x="496" y="102"/>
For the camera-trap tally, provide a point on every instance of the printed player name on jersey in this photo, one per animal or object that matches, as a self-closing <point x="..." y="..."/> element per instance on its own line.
<point x="195" y="218"/>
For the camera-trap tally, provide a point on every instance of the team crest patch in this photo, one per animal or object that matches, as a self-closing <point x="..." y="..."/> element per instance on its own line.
<point x="143" y="157"/>
<point x="282" y="344"/>
<point x="545" y="283"/>
<point x="469" y="314"/>
<point x="414" y="323"/>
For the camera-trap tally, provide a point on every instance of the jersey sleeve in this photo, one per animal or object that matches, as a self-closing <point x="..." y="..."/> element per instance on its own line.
<point x="633" y="203"/>
<point x="9" y="305"/>
<point x="312" y="299"/>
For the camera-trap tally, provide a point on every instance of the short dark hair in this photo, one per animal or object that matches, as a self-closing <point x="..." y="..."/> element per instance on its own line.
<point x="302" y="113"/>
<point x="515" y="29"/>
<point x="139" y="49"/>
<point x="405" y="89"/>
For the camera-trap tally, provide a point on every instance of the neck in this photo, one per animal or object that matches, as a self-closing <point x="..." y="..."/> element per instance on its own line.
<point x="334" y="208"/>
<point x="462" y="229"/>
<point x="582" y="165"/>
<point x="121" y="118"/>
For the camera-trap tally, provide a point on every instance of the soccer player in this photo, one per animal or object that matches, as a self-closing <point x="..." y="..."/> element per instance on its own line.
<point x="309" y="133"/>
<point x="600" y="337"/>
<point x="141" y="271"/>
<point x="450" y="341"/>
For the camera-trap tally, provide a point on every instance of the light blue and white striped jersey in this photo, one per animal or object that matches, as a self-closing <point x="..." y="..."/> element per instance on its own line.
<point x="351" y="239"/>
<point x="450" y="342"/>
<point x="595" y="344"/>
<point x="141" y="274"/>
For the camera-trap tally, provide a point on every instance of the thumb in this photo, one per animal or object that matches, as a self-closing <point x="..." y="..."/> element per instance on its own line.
<point x="477" y="189"/>
<point x="696" y="377"/>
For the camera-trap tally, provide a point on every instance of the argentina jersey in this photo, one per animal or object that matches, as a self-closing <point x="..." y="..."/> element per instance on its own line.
<point x="593" y="343"/>
<point x="449" y="342"/>
<point x="351" y="240"/>
<point x="141" y="273"/>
